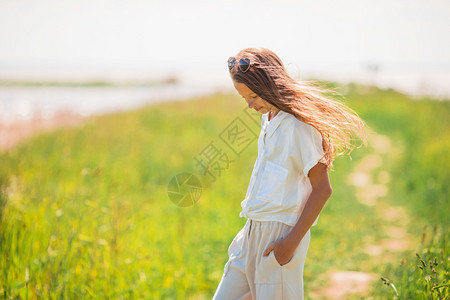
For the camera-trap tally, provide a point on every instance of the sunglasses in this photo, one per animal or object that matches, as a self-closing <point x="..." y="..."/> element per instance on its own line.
<point x="244" y="64"/>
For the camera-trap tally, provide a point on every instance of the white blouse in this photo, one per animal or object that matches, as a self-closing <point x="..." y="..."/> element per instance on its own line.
<point x="279" y="186"/>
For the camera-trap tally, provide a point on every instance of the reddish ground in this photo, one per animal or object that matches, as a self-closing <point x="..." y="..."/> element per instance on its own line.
<point x="12" y="134"/>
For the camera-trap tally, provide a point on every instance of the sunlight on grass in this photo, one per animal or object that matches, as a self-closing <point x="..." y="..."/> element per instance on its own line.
<point x="85" y="211"/>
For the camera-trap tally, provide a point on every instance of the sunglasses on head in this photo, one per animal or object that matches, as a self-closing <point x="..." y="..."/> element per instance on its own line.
<point x="243" y="64"/>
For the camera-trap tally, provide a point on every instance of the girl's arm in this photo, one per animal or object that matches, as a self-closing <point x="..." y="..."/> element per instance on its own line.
<point x="321" y="191"/>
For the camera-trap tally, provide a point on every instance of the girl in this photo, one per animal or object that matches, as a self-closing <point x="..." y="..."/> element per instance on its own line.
<point x="301" y="133"/>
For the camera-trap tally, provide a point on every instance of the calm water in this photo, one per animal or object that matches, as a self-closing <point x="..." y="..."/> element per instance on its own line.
<point x="24" y="103"/>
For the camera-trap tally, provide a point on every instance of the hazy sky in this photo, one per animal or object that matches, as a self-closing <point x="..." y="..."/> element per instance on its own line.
<point x="197" y="34"/>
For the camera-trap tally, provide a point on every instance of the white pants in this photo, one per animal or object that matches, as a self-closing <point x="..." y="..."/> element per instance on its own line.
<point x="250" y="275"/>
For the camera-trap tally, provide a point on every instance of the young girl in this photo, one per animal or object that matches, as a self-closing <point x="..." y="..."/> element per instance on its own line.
<point x="301" y="133"/>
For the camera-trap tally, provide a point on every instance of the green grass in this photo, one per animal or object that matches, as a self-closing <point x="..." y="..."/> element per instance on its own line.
<point x="85" y="211"/>
<point x="422" y="128"/>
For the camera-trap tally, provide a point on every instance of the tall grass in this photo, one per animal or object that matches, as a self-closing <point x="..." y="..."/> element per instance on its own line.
<point x="425" y="276"/>
<point x="421" y="129"/>
<point x="87" y="213"/>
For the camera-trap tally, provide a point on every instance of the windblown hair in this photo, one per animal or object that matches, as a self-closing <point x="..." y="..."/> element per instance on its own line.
<point x="339" y="126"/>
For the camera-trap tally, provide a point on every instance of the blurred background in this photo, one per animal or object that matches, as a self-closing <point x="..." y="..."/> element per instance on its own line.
<point x="402" y="45"/>
<point x="128" y="96"/>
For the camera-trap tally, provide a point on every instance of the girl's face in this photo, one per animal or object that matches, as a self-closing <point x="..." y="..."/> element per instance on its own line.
<point x="253" y="100"/>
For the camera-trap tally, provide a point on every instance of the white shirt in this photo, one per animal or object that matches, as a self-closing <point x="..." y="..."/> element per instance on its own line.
<point x="279" y="186"/>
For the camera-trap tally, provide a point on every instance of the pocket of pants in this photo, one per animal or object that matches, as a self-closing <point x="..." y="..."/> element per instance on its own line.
<point x="299" y="255"/>
<point x="292" y="258"/>
<point x="268" y="270"/>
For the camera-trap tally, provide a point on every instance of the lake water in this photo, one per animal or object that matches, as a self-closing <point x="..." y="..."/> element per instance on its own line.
<point x="25" y="103"/>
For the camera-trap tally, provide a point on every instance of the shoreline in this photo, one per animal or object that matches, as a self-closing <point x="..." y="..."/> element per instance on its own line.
<point x="26" y="111"/>
<point x="14" y="131"/>
<point x="12" y="134"/>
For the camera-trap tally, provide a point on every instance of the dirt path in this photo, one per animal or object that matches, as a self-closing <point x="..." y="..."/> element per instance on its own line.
<point x="372" y="193"/>
<point x="12" y="134"/>
<point x="371" y="186"/>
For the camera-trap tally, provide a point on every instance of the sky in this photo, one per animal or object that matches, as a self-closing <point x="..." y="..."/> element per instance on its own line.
<point x="159" y="37"/>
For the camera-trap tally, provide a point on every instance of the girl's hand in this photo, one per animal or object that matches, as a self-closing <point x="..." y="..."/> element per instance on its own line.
<point x="282" y="250"/>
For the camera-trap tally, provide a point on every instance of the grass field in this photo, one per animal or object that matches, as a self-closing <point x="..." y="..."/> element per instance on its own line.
<point x="85" y="211"/>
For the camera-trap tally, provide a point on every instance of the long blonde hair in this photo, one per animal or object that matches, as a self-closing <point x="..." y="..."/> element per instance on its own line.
<point x="339" y="125"/>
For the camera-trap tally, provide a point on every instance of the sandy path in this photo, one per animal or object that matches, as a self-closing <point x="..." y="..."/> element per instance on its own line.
<point x="371" y="186"/>
<point x="13" y="134"/>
